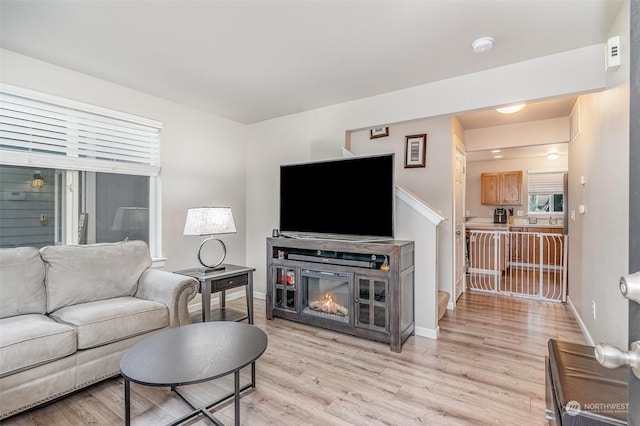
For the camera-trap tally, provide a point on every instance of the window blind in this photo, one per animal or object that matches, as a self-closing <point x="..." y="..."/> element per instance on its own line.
<point x="545" y="182"/>
<point x="42" y="130"/>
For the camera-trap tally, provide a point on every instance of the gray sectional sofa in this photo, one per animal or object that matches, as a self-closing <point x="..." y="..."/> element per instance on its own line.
<point x="68" y="313"/>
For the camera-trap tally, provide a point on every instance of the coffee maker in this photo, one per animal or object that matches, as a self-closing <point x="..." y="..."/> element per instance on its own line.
<point x="500" y="215"/>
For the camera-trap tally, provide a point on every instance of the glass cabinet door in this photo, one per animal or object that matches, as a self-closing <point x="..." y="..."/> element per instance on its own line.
<point x="371" y="303"/>
<point x="285" y="288"/>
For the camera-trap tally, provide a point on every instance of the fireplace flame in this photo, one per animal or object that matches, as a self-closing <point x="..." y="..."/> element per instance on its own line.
<point x="329" y="305"/>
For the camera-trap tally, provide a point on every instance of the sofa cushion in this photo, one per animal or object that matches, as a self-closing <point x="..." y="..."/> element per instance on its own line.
<point x="33" y="339"/>
<point x="86" y="273"/>
<point x="21" y="282"/>
<point x="105" y="321"/>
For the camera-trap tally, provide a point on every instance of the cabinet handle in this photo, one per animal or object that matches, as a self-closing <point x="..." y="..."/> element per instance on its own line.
<point x="356" y="300"/>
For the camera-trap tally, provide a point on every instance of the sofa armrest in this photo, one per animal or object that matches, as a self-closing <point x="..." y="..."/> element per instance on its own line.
<point x="174" y="290"/>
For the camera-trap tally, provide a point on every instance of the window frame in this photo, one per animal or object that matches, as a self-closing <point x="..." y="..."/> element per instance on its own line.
<point x="69" y="165"/>
<point x="551" y="194"/>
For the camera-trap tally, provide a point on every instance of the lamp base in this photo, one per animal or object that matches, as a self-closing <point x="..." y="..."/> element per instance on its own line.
<point x="216" y="267"/>
<point x="207" y="270"/>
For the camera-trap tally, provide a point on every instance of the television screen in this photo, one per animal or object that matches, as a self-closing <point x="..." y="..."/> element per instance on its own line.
<point x="346" y="197"/>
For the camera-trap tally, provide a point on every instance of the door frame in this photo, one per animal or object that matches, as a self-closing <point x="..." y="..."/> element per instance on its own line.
<point x="634" y="200"/>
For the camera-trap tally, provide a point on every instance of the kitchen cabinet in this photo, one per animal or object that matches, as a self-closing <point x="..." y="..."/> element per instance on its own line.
<point x="501" y="188"/>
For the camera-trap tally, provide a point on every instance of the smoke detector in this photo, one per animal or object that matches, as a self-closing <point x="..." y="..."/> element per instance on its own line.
<point x="483" y="44"/>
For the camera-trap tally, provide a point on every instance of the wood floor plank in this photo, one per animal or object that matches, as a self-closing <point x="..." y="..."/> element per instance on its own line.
<point x="486" y="367"/>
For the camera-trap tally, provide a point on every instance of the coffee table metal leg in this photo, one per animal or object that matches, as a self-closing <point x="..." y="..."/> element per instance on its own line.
<point x="236" y="390"/>
<point x="127" y="402"/>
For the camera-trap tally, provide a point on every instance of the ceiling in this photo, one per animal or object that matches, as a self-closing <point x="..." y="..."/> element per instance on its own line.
<point x="544" y="110"/>
<point x="254" y="60"/>
<point x="510" y="153"/>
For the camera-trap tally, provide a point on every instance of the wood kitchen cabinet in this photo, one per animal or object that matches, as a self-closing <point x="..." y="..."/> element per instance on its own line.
<point x="501" y="188"/>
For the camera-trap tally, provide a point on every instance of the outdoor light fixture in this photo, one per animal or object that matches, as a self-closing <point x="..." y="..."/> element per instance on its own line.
<point x="210" y="221"/>
<point x="37" y="181"/>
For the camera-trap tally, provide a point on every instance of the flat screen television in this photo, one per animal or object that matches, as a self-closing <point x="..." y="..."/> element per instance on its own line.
<point x="350" y="198"/>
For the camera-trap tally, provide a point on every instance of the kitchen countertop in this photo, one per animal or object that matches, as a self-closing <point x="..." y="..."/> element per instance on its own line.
<point x="507" y="226"/>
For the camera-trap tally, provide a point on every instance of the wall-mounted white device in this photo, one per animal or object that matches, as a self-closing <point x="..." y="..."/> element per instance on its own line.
<point x="613" y="53"/>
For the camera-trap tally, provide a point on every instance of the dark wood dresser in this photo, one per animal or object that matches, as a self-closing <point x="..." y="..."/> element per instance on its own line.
<point x="579" y="391"/>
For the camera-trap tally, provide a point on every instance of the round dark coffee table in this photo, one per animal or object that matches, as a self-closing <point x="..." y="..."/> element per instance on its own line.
<point x="192" y="354"/>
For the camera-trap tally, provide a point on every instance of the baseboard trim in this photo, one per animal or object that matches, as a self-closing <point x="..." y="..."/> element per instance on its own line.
<point x="427" y="332"/>
<point x="581" y="324"/>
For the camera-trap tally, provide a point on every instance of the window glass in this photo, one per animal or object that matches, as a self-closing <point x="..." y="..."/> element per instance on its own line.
<point x="121" y="208"/>
<point x="27" y="206"/>
<point x="545" y="203"/>
<point x="110" y="207"/>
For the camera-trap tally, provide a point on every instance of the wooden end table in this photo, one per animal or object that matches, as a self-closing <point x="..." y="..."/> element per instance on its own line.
<point x="219" y="282"/>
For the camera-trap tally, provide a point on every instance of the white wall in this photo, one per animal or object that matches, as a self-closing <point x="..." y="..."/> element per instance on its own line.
<point x="599" y="240"/>
<point x="426" y="266"/>
<point x="202" y="155"/>
<point x="476" y="168"/>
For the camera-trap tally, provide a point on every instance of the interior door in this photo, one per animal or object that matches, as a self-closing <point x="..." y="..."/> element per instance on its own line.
<point x="630" y="284"/>
<point x="460" y="239"/>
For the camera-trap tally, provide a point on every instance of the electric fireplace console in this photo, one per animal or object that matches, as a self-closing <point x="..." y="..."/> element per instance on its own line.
<point x="363" y="289"/>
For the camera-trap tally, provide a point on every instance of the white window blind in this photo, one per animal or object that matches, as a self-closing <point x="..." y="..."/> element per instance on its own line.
<point x="48" y="131"/>
<point x="545" y="182"/>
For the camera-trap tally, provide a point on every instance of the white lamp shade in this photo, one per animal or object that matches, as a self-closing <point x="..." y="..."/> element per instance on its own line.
<point x="209" y="221"/>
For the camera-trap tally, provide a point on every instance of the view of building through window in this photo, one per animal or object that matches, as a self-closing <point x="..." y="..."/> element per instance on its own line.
<point x="36" y="206"/>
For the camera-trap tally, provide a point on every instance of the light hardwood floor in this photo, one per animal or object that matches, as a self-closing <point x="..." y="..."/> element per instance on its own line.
<point x="486" y="368"/>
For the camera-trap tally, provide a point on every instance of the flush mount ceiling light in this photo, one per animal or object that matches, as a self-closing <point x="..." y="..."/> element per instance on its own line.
<point x="553" y="156"/>
<point x="510" y="109"/>
<point x="483" y="44"/>
<point x="495" y="151"/>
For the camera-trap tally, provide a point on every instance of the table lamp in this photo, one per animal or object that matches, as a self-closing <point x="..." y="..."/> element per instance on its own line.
<point x="210" y="221"/>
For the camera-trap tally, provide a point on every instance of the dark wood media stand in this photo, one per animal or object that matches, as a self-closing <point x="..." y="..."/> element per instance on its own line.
<point x="363" y="289"/>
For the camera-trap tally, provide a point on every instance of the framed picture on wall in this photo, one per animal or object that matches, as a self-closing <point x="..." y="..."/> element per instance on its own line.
<point x="378" y="132"/>
<point x="415" y="151"/>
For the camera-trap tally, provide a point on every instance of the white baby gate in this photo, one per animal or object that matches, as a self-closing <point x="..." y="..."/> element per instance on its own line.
<point x="525" y="264"/>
